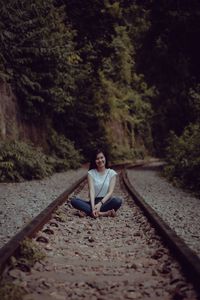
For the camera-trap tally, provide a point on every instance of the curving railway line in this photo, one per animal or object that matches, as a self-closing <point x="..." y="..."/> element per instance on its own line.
<point x="133" y="256"/>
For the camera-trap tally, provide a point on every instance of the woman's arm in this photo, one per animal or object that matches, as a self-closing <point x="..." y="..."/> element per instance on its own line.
<point x="110" y="189"/>
<point x="91" y="190"/>
<point x="109" y="194"/>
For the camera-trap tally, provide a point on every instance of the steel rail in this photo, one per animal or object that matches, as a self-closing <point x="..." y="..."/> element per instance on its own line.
<point x="189" y="261"/>
<point x="29" y="230"/>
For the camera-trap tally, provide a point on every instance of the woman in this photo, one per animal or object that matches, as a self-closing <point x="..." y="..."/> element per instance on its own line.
<point x="101" y="182"/>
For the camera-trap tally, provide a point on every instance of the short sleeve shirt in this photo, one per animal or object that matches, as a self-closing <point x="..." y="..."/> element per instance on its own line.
<point x="101" y="182"/>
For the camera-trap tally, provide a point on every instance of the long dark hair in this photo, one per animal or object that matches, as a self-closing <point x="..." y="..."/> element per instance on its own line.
<point x="94" y="156"/>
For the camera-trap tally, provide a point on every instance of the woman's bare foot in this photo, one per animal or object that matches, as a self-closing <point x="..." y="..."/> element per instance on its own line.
<point x="112" y="213"/>
<point x="109" y="213"/>
<point x="81" y="214"/>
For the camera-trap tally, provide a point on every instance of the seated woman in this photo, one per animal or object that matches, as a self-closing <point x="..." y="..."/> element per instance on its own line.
<point x="101" y="182"/>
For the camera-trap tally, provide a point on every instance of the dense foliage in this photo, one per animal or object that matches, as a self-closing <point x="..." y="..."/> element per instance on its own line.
<point x="169" y="59"/>
<point x="89" y="67"/>
<point x="37" y="50"/>
<point x="106" y="38"/>
<point x="72" y="62"/>
<point x="20" y="161"/>
<point x="63" y="152"/>
<point x="184" y="159"/>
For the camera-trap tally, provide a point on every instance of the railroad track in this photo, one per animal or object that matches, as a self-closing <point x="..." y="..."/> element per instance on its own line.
<point x="126" y="257"/>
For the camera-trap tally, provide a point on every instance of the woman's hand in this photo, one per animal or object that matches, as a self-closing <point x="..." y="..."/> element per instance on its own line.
<point x="95" y="213"/>
<point x="97" y="207"/>
<point x="96" y="210"/>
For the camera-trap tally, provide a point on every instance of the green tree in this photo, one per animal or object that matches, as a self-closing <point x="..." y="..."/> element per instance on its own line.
<point x="74" y="63"/>
<point x="169" y="59"/>
<point x="38" y="52"/>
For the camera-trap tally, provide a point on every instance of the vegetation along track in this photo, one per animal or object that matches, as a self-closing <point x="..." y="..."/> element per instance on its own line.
<point x="103" y="258"/>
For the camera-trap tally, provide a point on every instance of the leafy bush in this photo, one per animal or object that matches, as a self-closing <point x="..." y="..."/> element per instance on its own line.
<point x="183" y="157"/>
<point x="19" y="161"/>
<point x="63" y="152"/>
<point x="120" y="153"/>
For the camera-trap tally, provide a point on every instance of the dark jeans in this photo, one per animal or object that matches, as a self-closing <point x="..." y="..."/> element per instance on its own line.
<point x="112" y="203"/>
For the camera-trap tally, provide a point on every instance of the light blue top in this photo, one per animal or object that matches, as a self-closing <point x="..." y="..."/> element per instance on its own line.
<point x="101" y="181"/>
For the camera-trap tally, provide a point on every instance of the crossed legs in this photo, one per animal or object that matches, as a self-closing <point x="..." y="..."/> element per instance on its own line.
<point x="107" y="209"/>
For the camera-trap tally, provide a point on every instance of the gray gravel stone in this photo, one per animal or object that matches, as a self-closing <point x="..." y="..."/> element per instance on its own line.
<point x="104" y="258"/>
<point x="179" y="209"/>
<point x="20" y="202"/>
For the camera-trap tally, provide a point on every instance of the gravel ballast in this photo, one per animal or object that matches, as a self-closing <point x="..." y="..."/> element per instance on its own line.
<point x="179" y="209"/>
<point x="20" y="202"/>
<point x="113" y="258"/>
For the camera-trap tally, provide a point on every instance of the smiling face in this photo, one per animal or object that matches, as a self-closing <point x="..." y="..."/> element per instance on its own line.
<point x="100" y="160"/>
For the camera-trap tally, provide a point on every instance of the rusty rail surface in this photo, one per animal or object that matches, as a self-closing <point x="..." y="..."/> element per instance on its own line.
<point x="189" y="261"/>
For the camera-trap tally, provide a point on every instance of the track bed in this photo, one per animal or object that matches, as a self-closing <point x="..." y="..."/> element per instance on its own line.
<point x="104" y="258"/>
